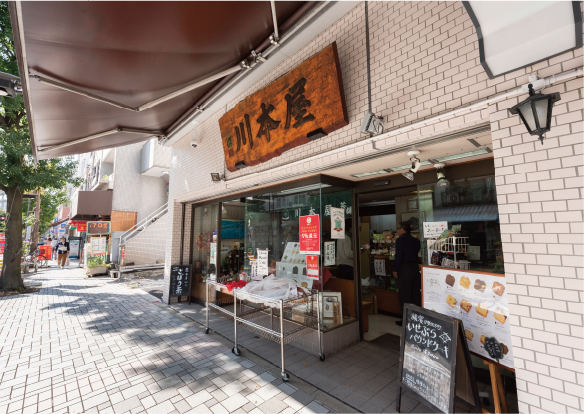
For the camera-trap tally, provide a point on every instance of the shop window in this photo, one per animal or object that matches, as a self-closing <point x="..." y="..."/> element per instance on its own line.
<point x="472" y="204"/>
<point x="204" y="249"/>
<point x="272" y="222"/>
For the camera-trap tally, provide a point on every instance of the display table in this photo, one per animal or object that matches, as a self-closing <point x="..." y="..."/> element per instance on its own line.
<point x="387" y="300"/>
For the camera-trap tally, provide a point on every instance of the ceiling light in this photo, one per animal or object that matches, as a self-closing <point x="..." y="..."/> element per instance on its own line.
<point x="515" y="34"/>
<point x="9" y="85"/>
<point x="377" y="203"/>
<point x="462" y="155"/>
<point x="360" y="175"/>
<point x="441" y="175"/>
<point x="165" y="172"/>
<point x="304" y="189"/>
<point x="536" y="112"/>
<point x="416" y="164"/>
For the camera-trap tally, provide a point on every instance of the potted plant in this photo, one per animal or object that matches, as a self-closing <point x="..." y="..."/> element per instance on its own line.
<point x="96" y="266"/>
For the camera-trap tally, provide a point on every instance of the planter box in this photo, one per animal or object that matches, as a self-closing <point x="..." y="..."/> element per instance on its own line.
<point x="101" y="270"/>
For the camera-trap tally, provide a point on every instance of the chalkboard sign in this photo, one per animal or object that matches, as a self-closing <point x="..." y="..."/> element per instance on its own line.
<point x="180" y="280"/>
<point x="435" y="363"/>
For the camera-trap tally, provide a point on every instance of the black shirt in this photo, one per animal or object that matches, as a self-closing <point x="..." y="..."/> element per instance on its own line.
<point x="63" y="247"/>
<point x="407" y="248"/>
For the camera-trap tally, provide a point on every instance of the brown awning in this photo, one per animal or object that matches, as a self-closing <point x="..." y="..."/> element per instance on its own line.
<point x="131" y="53"/>
<point x="89" y="205"/>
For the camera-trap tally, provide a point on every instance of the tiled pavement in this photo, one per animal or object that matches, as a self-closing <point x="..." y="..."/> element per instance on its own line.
<point x="364" y="376"/>
<point x="95" y="346"/>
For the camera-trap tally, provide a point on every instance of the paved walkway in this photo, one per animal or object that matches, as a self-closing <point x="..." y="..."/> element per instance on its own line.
<point x="96" y="346"/>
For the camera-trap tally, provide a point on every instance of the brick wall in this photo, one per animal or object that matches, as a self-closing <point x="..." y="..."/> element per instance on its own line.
<point x="148" y="246"/>
<point x="425" y="61"/>
<point x="132" y="191"/>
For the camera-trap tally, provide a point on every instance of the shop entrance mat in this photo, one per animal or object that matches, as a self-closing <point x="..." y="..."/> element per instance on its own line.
<point x="388" y="341"/>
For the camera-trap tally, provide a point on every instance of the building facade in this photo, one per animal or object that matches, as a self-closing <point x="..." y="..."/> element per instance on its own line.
<point x="425" y="65"/>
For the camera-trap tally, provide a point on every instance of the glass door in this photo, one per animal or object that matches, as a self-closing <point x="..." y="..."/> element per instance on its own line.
<point x="205" y="254"/>
<point x="232" y="238"/>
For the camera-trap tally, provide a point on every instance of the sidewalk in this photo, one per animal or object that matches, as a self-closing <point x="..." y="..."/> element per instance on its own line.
<point x="96" y="346"/>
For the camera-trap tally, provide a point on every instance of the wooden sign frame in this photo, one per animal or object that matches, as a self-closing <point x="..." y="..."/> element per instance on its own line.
<point x="471" y="395"/>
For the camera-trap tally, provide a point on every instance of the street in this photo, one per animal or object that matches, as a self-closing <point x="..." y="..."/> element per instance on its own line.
<point x="95" y="345"/>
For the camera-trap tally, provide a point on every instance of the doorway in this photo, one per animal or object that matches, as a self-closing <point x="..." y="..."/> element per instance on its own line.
<point x="380" y="213"/>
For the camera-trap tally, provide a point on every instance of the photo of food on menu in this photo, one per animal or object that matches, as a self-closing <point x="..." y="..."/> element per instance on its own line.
<point x="480" y="301"/>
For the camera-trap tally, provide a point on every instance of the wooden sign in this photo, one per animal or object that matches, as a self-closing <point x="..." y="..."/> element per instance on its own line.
<point x="434" y="361"/>
<point x="304" y="104"/>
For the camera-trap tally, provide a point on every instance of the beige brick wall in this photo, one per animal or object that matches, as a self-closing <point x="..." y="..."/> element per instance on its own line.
<point x="425" y="61"/>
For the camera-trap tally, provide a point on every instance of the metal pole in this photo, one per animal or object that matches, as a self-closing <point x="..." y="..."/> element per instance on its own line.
<point x="282" y="337"/>
<point x="320" y="352"/>
<point x="274" y="19"/>
<point x="368" y="54"/>
<point x="235" y="321"/>
<point x="271" y="318"/>
<point x="207" y="308"/>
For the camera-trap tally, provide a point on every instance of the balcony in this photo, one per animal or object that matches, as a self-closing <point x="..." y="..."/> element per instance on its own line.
<point x="104" y="183"/>
<point x="90" y="205"/>
<point x="154" y="159"/>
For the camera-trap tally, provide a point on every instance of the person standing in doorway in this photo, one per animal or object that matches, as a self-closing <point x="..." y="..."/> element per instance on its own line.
<point x="405" y="267"/>
<point x="63" y="252"/>
<point x="54" y="248"/>
<point x="345" y="253"/>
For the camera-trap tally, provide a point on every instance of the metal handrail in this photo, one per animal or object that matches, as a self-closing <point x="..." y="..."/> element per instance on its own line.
<point x="143" y="224"/>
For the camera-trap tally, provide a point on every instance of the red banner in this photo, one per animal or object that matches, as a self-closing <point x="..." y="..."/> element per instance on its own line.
<point x="309" y="235"/>
<point x="81" y="225"/>
<point x="312" y="266"/>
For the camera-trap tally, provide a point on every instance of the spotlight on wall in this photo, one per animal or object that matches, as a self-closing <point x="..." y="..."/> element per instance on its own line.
<point x="216" y="177"/>
<point x="536" y="112"/>
<point x="441" y="175"/>
<point x="416" y="164"/>
<point x="372" y="124"/>
<point x="9" y="85"/>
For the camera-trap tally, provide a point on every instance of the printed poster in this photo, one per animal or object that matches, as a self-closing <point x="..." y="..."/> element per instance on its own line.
<point x="98" y="246"/>
<point x="312" y="266"/>
<point x="329" y="253"/>
<point x="213" y="253"/>
<point x="337" y="223"/>
<point x="478" y="299"/>
<point x="310" y="235"/>
<point x="262" y="262"/>
<point x="379" y="265"/>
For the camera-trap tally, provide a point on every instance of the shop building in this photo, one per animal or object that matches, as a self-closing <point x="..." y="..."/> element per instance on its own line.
<point x="524" y="210"/>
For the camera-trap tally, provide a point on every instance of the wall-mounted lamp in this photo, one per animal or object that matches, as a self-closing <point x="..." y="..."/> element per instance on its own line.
<point x="536" y="112"/>
<point x="216" y="177"/>
<point x="416" y="164"/>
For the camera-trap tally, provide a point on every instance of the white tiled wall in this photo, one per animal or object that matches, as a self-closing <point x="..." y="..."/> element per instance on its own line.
<point x="150" y="245"/>
<point x="425" y="61"/>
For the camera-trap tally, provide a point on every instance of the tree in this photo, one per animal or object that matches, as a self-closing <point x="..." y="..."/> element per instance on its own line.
<point x="18" y="172"/>
<point x="51" y="199"/>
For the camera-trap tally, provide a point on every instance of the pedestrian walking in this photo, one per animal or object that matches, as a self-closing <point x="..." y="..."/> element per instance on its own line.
<point x="405" y="267"/>
<point x="54" y="244"/>
<point x="63" y="252"/>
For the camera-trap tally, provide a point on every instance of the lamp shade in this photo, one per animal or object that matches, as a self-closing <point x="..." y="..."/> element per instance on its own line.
<point x="536" y="112"/>
<point x="516" y="34"/>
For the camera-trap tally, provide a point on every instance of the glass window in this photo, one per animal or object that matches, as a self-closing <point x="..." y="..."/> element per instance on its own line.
<point x="232" y="238"/>
<point x="204" y="248"/>
<point x="472" y="204"/>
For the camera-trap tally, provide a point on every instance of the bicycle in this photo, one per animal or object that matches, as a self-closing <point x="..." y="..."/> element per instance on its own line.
<point x="39" y="259"/>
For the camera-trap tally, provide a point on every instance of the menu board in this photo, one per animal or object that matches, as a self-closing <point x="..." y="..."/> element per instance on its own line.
<point x="435" y="362"/>
<point x="479" y="299"/>
<point x="262" y="262"/>
<point x="428" y="355"/>
<point x="98" y="246"/>
<point x="180" y="280"/>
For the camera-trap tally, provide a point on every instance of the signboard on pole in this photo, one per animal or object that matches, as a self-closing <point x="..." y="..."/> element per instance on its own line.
<point x="310" y="235"/>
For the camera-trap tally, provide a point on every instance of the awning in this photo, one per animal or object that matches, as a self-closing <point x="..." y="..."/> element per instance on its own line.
<point x="90" y="205"/>
<point x="129" y="54"/>
<point x="454" y="215"/>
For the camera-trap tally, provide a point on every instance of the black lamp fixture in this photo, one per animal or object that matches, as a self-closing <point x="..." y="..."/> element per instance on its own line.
<point x="536" y="111"/>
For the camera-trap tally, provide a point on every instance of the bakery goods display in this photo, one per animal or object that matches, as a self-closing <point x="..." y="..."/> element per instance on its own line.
<point x="450" y="280"/>
<point x="466" y="305"/>
<point x="482" y="309"/>
<point x="464" y="282"/>
<point x="451" y="301"/>
<point x="499" y="315"/>
<point x="482" y="339"/>
<point x="469" y="335"/>
<point x="498" y="288"/>
<point x="480" y="285"/>
<point x="505" y="348"/>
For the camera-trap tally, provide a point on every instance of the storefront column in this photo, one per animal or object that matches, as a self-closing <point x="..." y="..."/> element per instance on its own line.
<point x="539" y="191"/>
<point x="173" y="243"/>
